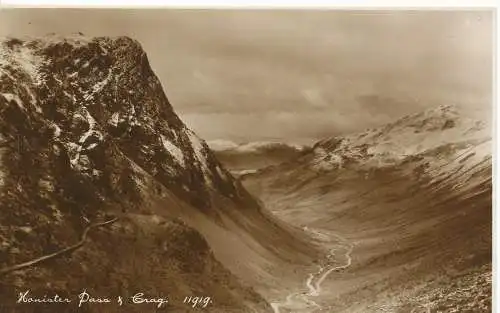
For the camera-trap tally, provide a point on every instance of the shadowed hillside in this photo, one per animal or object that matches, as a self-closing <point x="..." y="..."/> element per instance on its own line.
<point x="87" y="136"/>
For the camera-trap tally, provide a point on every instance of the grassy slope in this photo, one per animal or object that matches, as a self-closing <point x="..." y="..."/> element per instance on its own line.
<point x="415" y="241"/>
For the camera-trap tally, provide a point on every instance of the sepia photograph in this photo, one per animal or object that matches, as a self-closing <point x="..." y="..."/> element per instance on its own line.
<point x="246" y="160"/>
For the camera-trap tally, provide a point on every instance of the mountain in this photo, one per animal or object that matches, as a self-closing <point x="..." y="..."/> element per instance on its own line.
<point x="242" y="159"/>
<point x="411" y="204"/>
<point x="410" y="136"/>
<point x="96" y="167"/>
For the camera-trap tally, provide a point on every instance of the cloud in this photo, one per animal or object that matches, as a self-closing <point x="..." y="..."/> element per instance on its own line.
<point x="222" y="144"/>
<point x="315" y="98"/>
<point x="235" y="73"/>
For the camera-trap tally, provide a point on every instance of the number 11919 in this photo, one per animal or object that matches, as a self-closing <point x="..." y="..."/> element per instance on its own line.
<point x="202" y="302"/>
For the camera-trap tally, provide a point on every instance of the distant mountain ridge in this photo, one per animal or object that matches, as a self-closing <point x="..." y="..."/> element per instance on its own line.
<point x="249" y="157"/>
<point x="253" y="146"/>
<point x="408" y="136"/>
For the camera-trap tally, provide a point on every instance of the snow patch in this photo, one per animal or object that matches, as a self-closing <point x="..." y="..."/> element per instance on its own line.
<point x="115" y="118"/>
<point x="172" y="149"/>
<point x="21" y="58"/>
<point x="57" y="130"/>
<point x="220" y="172"/>
<point x="96" y="173"/>
<point x="67" y="94"/>
<point x="198" y="148"/>
<point x="104" y="50"/>
<point x="78" y="160"/>
<point x="34" y="101"/>
<point x="58" y="80"/>
<point x="11" y="97"/>
<point x="98" y="86"/>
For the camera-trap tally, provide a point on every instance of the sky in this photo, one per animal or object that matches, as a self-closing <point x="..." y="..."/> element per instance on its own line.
<point x="294" y="76"/>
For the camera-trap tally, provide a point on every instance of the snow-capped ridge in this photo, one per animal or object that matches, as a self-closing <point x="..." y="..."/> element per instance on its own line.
<point x="407" y="136"/>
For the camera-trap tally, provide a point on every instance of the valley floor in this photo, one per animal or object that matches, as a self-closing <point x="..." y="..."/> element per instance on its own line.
<point x="392" y="243"/>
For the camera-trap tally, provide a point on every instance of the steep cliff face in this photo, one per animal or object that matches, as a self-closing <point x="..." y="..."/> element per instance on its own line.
<point x="87" y="134"/>
<point x="88" y="95"/>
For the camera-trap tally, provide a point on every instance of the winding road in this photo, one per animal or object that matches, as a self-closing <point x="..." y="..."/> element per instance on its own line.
<point x="78" y="245"/>
<point x="301" y="302"/>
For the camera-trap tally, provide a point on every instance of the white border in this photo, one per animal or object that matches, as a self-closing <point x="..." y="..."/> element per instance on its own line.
<point x="496" y="150"/>
<point x="318" y="4"/>
<point x="263" y="4"/>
